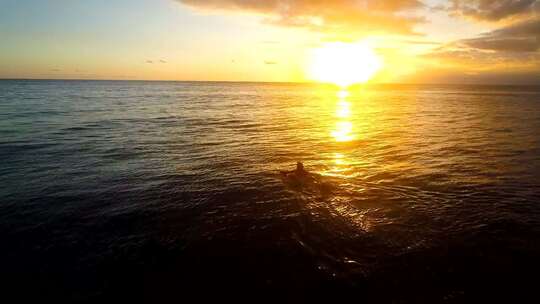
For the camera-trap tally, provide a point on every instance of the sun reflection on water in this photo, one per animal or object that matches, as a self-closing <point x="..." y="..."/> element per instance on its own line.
<point x="344" y="109"/>
<point x="341" y="165"/>
<point x="343" y="131"/>
<point x="341" y="178"/>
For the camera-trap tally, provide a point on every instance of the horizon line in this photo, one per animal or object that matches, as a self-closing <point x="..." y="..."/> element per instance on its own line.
<point x="267" y="82"/>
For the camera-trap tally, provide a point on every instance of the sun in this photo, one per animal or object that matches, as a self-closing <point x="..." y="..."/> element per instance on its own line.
<point x="344" y="64"/>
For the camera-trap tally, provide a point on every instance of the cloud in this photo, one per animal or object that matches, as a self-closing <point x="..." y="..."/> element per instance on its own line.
<point x="511" y="50"/>
<point x="156" y="61"/>
<point x="529" y="27"/>
<point x="505" y="44"/>
<point x="420" y="42"/>
<point x="270" y="62"/>
<point x="474" y="57"/>
<point x="469" y="65"/>
<point x="453" y="76"/>
<point x="352" y="16"/>
<point x="508" y="50"/>
<point x="493" y="10"/>
<point x="523" y="36"/>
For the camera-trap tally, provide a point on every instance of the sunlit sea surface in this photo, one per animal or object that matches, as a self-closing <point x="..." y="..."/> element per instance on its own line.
<point x="156" y="190"/>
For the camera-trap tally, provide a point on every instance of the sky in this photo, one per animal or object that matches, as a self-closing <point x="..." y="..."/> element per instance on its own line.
<point x="429" y="41"/>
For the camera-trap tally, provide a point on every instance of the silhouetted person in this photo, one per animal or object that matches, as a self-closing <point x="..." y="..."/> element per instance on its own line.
<point x="300" y="178"/>
<point x="300" y="175"/>
<point x="300" y="171"/>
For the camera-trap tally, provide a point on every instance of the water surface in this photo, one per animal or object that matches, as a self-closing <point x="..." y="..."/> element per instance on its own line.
<point x="154" y="190"/>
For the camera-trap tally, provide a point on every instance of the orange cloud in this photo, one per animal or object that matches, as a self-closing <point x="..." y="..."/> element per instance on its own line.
<point x="512" y="46"/>
<point x="494" y="10"/>
<point x="523" y="36"/>
<point x="351" y="16"/>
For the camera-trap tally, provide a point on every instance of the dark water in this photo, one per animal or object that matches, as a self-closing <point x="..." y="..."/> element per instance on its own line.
<point x="153" y="191"/>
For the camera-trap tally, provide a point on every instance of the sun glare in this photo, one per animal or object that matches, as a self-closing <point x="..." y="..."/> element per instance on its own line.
<point x="344" y="64"/>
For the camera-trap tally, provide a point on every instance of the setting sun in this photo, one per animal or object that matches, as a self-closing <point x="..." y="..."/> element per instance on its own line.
<point x="385" y="151"/>
<point x="344" y="64"/>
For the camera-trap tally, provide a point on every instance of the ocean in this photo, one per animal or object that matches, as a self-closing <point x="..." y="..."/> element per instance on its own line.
<point x="159" y="191"/>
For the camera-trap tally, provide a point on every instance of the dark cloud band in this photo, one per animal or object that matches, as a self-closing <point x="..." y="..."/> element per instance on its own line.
<point x="493" y="10"/>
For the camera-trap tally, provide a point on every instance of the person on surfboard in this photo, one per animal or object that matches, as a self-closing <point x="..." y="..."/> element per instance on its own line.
<point x="299" y="172"/>
<point x="299" y="175"/>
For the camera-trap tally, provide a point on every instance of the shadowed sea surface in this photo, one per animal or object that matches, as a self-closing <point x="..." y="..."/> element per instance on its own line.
<point x="158" y="191"/>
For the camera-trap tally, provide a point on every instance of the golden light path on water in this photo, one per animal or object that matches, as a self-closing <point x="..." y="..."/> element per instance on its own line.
<point x="344" y="64"/>
<point x="344" y="133"/>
